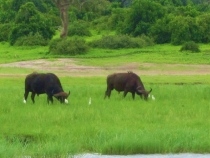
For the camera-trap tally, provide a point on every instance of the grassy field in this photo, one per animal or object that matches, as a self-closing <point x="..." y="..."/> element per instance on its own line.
<point x="153" y="54"/>
<point x="176" y="122"/>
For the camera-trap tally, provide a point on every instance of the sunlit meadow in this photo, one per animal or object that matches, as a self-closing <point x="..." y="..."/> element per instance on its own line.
<point x="175" y="122"/>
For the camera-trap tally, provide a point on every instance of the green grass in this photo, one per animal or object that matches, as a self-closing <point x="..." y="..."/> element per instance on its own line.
<point x="19" y="53"/>
<point x="177" y="121"/>
<point x="103" y="57"/>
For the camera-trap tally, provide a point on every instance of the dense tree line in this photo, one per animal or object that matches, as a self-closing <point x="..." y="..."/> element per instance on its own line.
<point x="164" y="21"/>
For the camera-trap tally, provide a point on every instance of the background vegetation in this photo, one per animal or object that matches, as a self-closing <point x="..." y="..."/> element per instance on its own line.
<point x="174" y="22"/>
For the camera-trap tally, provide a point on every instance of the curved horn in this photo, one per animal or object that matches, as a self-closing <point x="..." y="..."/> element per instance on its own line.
<point x="150" y="90"/>
<point x="139" y="89"/>
<point x="62" y="94"/>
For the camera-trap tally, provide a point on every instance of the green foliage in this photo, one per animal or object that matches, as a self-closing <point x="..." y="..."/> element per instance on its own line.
<point x="72" y="16"/>
<point x="160" y="31"/>
<point x="204" y="22"/>
<point x="27" y="13"/>
<point x="6" y="14"/>
<point x="101" y="23"/>
<point x="5" y="32"/>
<point x="31" y="40"/>
<point x="89" y="16"/>
<point x="89" y="10"/>
<point x="30" y="21"/>
<point x="191" y="46"/>
<point x="121" y="41"/>
<point x="188" y="10"/>
<point x="117" y="18"/>
<point x="179" y="29"/>
<point x="68" y="46"/>
<point x="40" y="5"/>
<point x="184" y="29"/>
<point x="142" y="15"/>
<point x="80" y="28"/>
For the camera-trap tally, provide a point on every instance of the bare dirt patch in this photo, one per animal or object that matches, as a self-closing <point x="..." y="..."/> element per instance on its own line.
<point x="69" y="67"/>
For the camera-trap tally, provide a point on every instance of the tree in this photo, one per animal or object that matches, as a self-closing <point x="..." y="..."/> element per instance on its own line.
<point x="184" y="29"/>
<point x="16" y="4"/>
<point x="6" y="14"/>
<point x="123" y="3"/>
<point x="203" y="22"/>
<point x="160" y="30"/>
<point x="143" y="14"/>
<point x="30" y="21"/>
<point x="63" y="7"/>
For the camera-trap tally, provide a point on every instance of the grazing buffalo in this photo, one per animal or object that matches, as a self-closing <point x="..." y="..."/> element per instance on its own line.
<point x="127" y="82"/>
<point x="40" y="83"/>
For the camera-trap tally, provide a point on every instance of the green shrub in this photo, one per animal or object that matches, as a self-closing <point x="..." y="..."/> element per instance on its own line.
<point x="101" y="23"/>
<point x="31" y="40"/>
<point x="30" y="20"/>
<point x="191" y="46"/>
<point x="121" y="41"/>
<point x="68" y="46"/>
<point x="79" y="28"/>
<point x="4" y="32"/>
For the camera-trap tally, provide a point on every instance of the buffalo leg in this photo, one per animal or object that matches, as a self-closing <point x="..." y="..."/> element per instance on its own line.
<point x="49" y="98"/>
<point x="26" y="95"/>
<point x="107" y="93"/>
<point x="133" y="95"/>
<point x="125" y="93"/>
<point x="32" y="97"/>
<point x="140" y="95"/>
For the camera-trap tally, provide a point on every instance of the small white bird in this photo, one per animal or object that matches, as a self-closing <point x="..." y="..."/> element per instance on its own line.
<point x="24" y="101"/>
<point x="89" y="101"/>
<point x="66" y="101"/>
<point x="153" y="97"/>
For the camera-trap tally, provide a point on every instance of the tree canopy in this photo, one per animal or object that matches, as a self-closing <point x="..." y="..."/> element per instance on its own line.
<point x="165" y="21"/>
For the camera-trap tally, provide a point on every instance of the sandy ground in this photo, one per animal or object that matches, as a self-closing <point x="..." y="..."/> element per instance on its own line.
<point x="70" y="67"/>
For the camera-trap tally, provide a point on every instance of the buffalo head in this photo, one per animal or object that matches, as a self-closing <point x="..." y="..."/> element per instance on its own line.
<point x="141" y="91"/>
<point x="62" y="96"/>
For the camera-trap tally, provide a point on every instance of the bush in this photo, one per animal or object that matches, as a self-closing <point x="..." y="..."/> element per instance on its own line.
<point x="30" y="20"/>
<point x="79" y="28"/>
<point x="191" y="46"/>
<point x="121" y="41"/>
<point x="31" y="40"/>
<point x="68" y="46"/>
<point x="5" y="32"/>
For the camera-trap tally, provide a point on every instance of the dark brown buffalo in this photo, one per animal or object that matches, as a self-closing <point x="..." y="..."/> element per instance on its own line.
<point x="127" y="82"/>
<point x="40" y="83"/>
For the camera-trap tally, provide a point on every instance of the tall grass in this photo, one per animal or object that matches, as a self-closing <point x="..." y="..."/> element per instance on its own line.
<point x="177" y="121"/>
